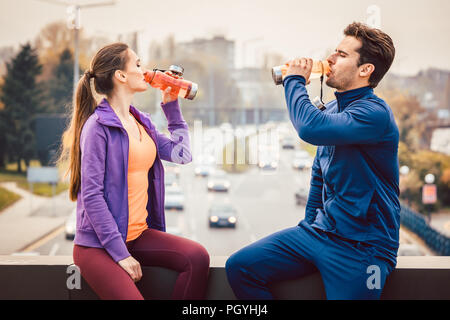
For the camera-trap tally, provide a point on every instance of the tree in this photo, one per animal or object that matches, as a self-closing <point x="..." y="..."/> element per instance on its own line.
<point x="60" y="85"/>
<point x="21" y="96"/>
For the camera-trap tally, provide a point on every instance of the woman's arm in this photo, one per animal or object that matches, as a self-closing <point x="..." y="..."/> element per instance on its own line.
<point x="93" y="159"/>
<point x="177" y="148"/>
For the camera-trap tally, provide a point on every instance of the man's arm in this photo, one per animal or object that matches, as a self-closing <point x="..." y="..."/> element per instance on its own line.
<point x="363" y="122"/>
<point x="315" y="192"/>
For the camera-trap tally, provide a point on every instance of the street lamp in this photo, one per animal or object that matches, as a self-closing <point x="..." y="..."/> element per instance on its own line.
<point x="404" y="170"/>
<point x="429" y="178"/>
<point x="429" y="194"/>
<point x="74" y="23"/>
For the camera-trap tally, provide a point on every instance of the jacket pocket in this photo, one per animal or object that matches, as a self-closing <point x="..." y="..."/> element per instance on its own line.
<point x="85" y="223"/>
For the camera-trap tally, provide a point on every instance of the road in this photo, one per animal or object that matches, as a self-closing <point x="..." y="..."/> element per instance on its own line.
<point x="264" y="201"/>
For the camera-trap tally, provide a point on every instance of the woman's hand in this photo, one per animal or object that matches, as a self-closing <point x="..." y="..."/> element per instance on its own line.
<point x="167" y="96"/>
<point x="133" y="268"/>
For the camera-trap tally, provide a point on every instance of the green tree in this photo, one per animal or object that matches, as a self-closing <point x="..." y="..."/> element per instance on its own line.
<point x="60" y="85"/>
<point x="21" y="96"/>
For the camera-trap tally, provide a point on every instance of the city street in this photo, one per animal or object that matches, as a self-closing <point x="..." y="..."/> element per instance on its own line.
<point x="264" y="200"/>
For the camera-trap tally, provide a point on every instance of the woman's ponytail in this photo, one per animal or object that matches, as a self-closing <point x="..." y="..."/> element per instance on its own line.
<point x="105" y="62"/>
<point x="84" y="105"/>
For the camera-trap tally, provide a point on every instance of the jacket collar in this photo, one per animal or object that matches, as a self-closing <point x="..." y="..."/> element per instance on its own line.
<point x="347" y="97"/>
<point x="108" y="117"/>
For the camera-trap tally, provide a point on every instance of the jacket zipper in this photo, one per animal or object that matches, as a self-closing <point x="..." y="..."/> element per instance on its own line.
<point x="126" y="180"/>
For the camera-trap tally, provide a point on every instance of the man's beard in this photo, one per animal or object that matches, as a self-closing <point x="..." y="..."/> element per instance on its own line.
<point x="339" y="84"/>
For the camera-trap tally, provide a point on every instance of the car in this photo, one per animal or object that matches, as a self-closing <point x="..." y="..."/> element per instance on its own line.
<point x="203" y="170"/>
<point x="170" y="179"/>
<point x="268" y="164"/>
<point x="301" y="197"/>
<point x="174" y="198"/>
<point x="288" y="143"/>
<point x="222" y="215"/>
<point x="300" y="164"/>
<point x="302" y="160"/>
<point x="218" y="181"/>
<point x="71" y="225"/>
<point x="172" y="167"/>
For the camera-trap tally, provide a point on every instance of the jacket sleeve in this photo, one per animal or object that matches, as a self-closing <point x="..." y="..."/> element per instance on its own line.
<point x="93" y="159"/>
<point x="315" y="192"/>
<point x="177" y="148"/>
<point x="362" y="122"/>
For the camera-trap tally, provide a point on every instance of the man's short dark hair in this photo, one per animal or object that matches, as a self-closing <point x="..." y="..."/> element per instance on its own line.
<point x="377" y="48"/>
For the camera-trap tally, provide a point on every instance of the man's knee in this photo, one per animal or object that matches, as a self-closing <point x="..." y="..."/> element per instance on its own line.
<point x="235" y="263"/>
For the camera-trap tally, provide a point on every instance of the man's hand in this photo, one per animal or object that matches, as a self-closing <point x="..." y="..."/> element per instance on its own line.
<point x="300" y="67"/>
<point x="132" y="267"/>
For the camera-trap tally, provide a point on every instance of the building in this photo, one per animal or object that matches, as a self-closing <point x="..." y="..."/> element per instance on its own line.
<point x="218" y="47"/>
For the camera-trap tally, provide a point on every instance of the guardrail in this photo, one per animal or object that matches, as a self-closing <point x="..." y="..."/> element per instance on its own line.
<point x="46" y="277"/>
<point x="433" y="238"/>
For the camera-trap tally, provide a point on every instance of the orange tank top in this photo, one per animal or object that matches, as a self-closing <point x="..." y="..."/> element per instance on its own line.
<point x="141" y="156"/>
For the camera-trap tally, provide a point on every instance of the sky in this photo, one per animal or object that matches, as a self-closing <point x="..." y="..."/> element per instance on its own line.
<point x="293" y="28"/>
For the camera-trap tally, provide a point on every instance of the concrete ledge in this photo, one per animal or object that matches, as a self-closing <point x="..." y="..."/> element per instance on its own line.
<point x="44" y="277"/>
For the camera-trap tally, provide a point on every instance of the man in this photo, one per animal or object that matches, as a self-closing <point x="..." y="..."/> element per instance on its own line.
<point x="351" y="227"/>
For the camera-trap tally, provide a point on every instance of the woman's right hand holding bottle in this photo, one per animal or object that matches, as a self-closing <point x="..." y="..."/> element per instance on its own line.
<point x="133" y="267"/>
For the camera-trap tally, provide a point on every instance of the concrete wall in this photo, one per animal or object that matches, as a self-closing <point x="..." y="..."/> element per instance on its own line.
<point x="45" y="277"/>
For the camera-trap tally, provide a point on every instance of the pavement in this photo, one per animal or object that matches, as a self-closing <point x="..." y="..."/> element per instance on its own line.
<point x="31" y="218"/>
<point x="441" y="222"/>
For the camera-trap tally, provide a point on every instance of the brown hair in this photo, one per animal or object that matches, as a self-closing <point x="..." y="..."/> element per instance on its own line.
<point x="105" y="62"/>
<point x="377" y="48"/>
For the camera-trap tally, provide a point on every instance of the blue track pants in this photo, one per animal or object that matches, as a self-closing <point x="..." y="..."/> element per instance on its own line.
<point x="349" y="269"/>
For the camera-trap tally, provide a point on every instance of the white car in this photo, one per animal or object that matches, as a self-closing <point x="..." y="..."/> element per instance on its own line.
<point x="268" y="164"/>
<point x="203" y="170"/>
<point x="170" y="179"/>
<point x="174" y="198"/>
<point x="300" y="164"/>
<point x="172" y="168"/>
<point x="218" y="181"/>
<point x="302" y="160"/>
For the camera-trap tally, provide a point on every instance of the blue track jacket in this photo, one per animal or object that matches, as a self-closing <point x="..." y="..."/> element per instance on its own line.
<point x="355" y="176"/>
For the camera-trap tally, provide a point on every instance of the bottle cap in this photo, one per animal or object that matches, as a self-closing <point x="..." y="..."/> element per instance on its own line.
<point x="316" y="101"/>
<point x="277" y="75"/>
<point x="177" y="70"/>
<point x="192" y="92"/>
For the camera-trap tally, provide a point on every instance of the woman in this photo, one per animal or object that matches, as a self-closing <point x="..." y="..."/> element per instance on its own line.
<point x="117" y="179"/>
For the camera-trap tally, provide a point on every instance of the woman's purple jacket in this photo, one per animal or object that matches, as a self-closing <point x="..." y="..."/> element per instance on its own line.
<point x="102" y="203"/>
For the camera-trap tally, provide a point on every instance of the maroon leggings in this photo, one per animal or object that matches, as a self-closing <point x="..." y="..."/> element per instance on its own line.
<point x="152" y="248"/>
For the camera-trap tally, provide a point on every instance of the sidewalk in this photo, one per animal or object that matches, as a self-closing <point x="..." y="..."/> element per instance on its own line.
<point x="31" y="218"/>
<point x="441" y="222"/>
<point x="410" y="238"/>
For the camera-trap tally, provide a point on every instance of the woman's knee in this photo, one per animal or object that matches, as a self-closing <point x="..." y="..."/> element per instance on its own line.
<point x="198" y="256"/>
